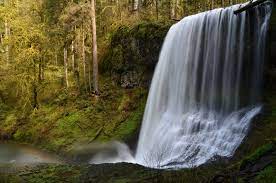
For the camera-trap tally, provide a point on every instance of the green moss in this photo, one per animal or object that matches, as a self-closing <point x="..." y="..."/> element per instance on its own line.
<point x="51" y="174"/>
<point x="128" y="122"/>
<point x="21" y="135"/>
<point x="9" y="179"/>
<point x="122" y="172"/>
<point x="134" y="49"/>
<point x="131" y="124"/>
<point x="10" y="122"/>
<point x="150" y="30"/>
<point x="70" y="118"/>
<point x="124" y="103"/>
<point x="3" y="110"/>
<point x="257" y="155"/>
<point x="266" y="176"/>
<point x="124" y="180"/>
<point x="69" y="121"/>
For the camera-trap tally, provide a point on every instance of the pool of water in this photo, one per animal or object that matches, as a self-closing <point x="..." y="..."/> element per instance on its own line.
<point x="24" y="154"/>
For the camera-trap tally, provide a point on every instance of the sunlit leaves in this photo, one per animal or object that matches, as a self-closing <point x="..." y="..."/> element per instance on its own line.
<point x="28" y="45"/>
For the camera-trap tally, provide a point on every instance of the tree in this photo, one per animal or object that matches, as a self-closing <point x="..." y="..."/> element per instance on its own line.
<point x="94" y="48"/>
<point x="65" y="66"/>
<point x="39" y="35"/>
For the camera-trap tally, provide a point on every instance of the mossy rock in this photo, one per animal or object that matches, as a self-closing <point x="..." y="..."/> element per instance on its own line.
<point x="262" y="151"/>
<point x="133" y="53"/>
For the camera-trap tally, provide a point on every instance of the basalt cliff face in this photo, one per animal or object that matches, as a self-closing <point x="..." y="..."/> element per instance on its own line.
<point x="133" y="53"/>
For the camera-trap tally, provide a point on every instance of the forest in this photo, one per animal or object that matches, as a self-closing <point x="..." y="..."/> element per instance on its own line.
<point x="77" y="77"/>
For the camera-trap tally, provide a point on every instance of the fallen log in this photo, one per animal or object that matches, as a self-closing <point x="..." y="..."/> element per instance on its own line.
<point x="97" y="134"/>
<point x="249" y="6"/>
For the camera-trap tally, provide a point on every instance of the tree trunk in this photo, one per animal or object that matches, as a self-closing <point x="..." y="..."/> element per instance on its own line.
<point x="249" y="6"/>
<point x="118" y="3"/>
<point x="176" y="3"/>
<point x="40" y="72"/>
<point x="205" y="8"/>
<point x="172" y="9"/>
<point x="56" y="59"/>
<point x="212" y="4"/>
<point x="89" y="76"/>
<point x="35" y="93"/>
<point x="43" y="69"/>
<point x="35" y="102"/>
<point x="156" y="9"/>
<point x="7" y="34"/>
<point x="94" y="45"/>
<point x="84" y="59"/>
<point x="73" y="55"/>
<point x="65" y="68"/>
<point x="135" y="5"/>
<point x="1" y="39"/>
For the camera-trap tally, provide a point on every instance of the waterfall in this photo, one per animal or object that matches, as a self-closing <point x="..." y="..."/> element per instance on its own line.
<point x="206" y="88"/>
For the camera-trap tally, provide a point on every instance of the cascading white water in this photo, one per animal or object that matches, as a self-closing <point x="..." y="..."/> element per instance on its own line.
<point x="206" y="88"/>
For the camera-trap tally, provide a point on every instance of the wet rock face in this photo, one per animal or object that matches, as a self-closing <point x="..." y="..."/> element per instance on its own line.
<point x="134" y="51"/>
<point x="270" y="72"/>
<point x="133" y="54"/>
<point x="130" y="79"/>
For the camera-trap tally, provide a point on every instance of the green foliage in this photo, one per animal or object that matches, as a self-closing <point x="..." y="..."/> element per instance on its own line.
<point x="266" y="176"/>
<point x="257" y="154"/>
<point x="22" y="136"/>
<point x="3" y="109"/>
<point x="26" y="50"/>
<point x="70" y="118"/>
<point x="10" y="123"/>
